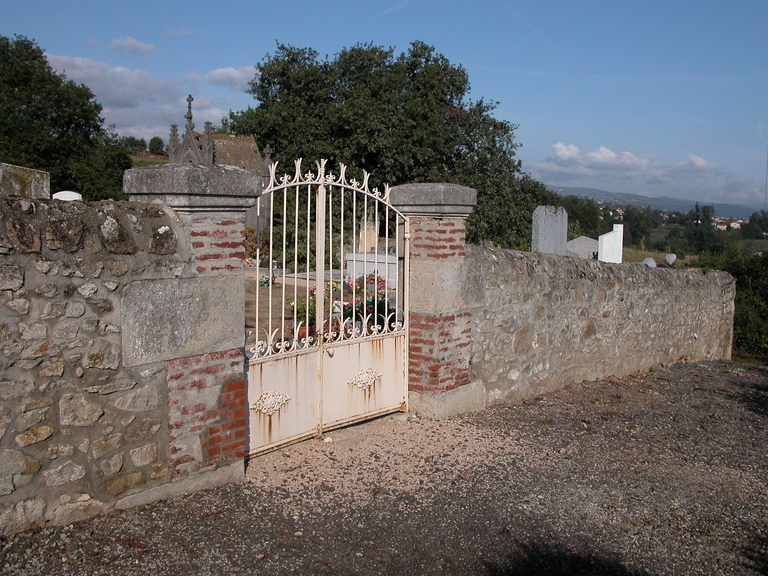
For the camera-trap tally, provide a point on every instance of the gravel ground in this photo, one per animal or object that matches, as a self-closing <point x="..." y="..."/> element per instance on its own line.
<point x="661" y="473"/>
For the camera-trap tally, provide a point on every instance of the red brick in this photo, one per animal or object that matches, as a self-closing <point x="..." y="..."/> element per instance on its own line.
<point x="216" y="439"/>
<point x="234" y="353"/>
<point x="237" y="385"/>
<point x="234" y="445"/>
<point x="183" y="362"/>
<point x="215" y="451"/>
<point x="233" y="424"/>
<point x="211" y="369"/>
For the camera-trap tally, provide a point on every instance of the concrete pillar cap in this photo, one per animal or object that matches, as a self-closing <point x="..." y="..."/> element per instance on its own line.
<point x="433" y="199"/>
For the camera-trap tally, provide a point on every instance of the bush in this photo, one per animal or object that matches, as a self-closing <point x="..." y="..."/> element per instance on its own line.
<point x="750" y="324"/>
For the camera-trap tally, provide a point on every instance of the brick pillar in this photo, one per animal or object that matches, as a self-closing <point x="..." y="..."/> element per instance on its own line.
<point x="207" y="413"/>
<point x="440" y="327"/>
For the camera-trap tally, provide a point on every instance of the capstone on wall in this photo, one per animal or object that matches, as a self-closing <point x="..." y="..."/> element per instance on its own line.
<point x="88" y="421"/>
<point x="540" y="322"/>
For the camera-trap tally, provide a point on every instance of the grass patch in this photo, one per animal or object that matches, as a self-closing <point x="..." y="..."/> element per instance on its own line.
<point x="145" y="159"/>
<point x="633" y="254"/>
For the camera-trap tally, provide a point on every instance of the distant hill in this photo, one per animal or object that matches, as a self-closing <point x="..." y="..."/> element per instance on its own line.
<point x="660" y="203"/>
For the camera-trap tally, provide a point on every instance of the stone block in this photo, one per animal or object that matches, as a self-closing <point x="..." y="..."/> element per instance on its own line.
<point x="467" y="398"/>
<point x="75" y="410"/>
<point x="64" y="474"/>
<point x="143" y="399"/>
<point x="11" y="277"/>
<point x="167" y="319"/>
<point x="22" y="516"/>
<point x="34" y="436"/>
<point x="123" y="482"/>
<point x="25" y="182"/>
<point x="193" y="187"/>
<point x="234" y="472"/>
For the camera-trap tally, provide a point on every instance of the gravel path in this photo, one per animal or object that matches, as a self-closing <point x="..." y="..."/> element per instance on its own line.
<point x="662" y="473"/>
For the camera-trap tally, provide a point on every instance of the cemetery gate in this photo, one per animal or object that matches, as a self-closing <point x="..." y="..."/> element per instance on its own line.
<point x="329" y="341"/>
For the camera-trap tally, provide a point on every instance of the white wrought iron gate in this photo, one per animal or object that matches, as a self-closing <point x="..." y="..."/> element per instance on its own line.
<point x="329" y="342"/>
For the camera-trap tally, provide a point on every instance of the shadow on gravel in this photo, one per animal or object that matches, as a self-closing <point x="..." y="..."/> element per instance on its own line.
<point x="754" y="395"/>
<point x="756" y="553"/>
<point x="557" y="560"/>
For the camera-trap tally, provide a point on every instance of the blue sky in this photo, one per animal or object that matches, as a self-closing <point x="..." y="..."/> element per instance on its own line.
<point x="655" y="98"/>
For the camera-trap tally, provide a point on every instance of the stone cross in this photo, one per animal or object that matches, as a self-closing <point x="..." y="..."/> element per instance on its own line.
<point x="188" y="115"/>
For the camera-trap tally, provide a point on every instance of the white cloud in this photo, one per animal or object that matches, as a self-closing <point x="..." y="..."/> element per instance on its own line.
<point x="568" y="158"/>
<point x="603" y="168"/>
<point x="234" y="78"/>
<point x="116" y="87"/>
<point x="130" y="44"/>
<point x="565" y="153"/>
<point x="138" y="103"/>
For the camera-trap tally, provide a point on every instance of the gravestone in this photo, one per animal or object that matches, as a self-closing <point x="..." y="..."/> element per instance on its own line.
<point x="611" y="245"/>
<point x="671" y="258"/>
<point x="650" y="262"/>
<point x="550" y="230"/>
<point x="67" y="196"/>
<point x="583" y="247"/>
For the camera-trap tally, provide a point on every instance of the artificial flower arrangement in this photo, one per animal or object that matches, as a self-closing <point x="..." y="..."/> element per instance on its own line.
<point x="366" y="312"/>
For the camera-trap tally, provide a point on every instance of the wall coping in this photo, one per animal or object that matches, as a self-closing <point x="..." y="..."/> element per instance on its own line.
<point x="433" y="199"/>
<point x="194" y="187"/>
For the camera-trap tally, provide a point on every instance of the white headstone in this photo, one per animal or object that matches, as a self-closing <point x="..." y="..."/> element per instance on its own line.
<point x="611" y="245"/>
<point x="550" y="230"/>
<point x="671" y="258"/>
<point x="650" y="262"/>
<point x="67" y="196"/>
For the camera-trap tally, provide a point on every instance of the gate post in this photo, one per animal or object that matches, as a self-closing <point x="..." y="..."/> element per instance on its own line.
<point x="440" y="324"/>
<point x="204" y="307"/>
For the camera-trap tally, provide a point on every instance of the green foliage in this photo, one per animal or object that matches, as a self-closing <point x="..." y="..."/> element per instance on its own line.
<point x="584" y="217"/>
<point x="404" y="118"/>
<point x="693" y="232"/>
<point x="132" y="145"/>
<point x="757" y="227"/>
<point x="53" y="124"/>
<point x="156" y="145"/>
<point x="98" y="173"/>
<point x="750" y="326"/>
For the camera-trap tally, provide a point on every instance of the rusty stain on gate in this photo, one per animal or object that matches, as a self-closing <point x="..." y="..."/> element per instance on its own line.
<point x="329" y="343"/>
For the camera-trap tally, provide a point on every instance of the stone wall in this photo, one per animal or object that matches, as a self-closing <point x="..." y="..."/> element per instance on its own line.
<point x="541" y="322"/>
<point x="121" y="348"/>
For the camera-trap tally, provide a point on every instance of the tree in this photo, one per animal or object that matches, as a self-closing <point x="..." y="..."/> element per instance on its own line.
<point x="51" y="123"/>
<point x="156" y="145"/>
<point x="106" y="156"/>
<point x="133" y="144"/>
<point x="404" y="118"/>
